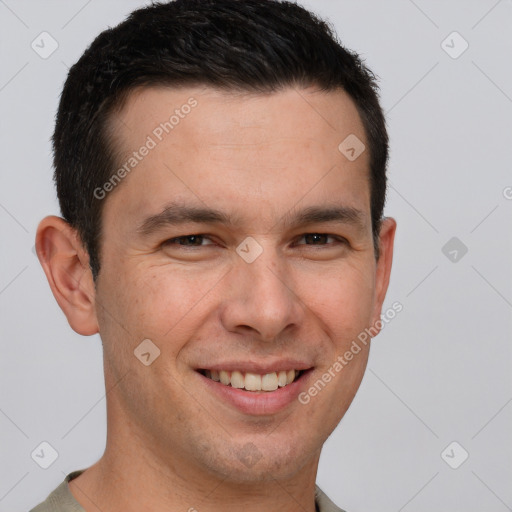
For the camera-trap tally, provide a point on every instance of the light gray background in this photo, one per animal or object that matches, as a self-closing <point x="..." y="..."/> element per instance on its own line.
<point x="439" y="372"/>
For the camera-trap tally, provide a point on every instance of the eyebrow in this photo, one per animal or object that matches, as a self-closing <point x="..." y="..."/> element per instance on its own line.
<point x="177" y="214"/>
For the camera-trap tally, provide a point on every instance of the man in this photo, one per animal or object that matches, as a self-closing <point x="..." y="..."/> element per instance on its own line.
<point x="220" y="166"/>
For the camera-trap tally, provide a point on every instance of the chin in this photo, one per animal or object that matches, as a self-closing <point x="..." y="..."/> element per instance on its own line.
<point x="255" y="461"/>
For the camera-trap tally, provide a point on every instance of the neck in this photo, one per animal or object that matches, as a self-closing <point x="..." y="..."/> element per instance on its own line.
<point x="132" y="477"/>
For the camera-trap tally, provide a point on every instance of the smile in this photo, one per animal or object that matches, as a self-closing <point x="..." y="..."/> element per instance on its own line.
<point x="253" y="381"/>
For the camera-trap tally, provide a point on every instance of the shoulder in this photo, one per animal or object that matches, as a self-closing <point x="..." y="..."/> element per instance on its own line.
<point x="61" y="499"/>
<point x="324" y="504"/>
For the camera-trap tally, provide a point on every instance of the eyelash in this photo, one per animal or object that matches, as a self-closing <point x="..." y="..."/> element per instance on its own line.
<point x="173" y="241"/>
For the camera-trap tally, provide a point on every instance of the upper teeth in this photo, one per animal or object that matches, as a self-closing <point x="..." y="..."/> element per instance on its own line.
<point x="253" y="381"/>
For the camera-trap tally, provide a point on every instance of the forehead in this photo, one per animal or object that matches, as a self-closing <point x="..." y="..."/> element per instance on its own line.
<point x="302" y="113"/>
<point x="230" y="148"/>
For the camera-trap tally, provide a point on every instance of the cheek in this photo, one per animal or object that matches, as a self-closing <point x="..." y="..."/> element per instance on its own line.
<point x="162" y="303"/>
<point x="343" y="299"/>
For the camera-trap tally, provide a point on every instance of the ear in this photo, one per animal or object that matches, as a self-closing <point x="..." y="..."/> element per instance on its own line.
<point x="66" y="265"/>
<point x="383" y="271"/>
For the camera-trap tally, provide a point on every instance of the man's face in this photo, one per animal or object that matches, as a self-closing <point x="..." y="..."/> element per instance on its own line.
<point x="292" y="297"/>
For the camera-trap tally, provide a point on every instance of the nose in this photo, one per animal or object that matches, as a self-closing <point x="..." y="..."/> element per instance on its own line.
<point x="260" y="299"/>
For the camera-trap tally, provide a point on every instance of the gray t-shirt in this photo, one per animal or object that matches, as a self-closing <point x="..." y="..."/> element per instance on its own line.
<point x="61" y="499"/>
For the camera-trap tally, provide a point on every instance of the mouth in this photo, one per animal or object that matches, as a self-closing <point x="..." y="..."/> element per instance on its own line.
<point x="254" y="382"/>
<point x="255" y="388"/>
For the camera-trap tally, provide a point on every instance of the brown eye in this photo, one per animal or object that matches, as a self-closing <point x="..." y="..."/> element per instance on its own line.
<point x="187" y="241"/>
<point x="319" y="239"/>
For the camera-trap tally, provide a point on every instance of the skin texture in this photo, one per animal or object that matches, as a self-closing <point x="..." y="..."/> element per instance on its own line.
<point x="172" y="444"/>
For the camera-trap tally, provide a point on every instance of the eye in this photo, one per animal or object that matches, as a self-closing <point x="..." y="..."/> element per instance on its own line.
<point x="317" y="239"/>
<point x="188" y="241"/>
<point x="320" y="239"/>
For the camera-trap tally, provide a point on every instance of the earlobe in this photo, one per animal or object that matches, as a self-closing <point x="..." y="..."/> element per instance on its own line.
<point x="384" y="263"/>
<point x="66" y="265"/>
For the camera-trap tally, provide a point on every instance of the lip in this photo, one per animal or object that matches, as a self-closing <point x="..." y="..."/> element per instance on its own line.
<point x="258" y="403"/>
<point x="259" y="368"/>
